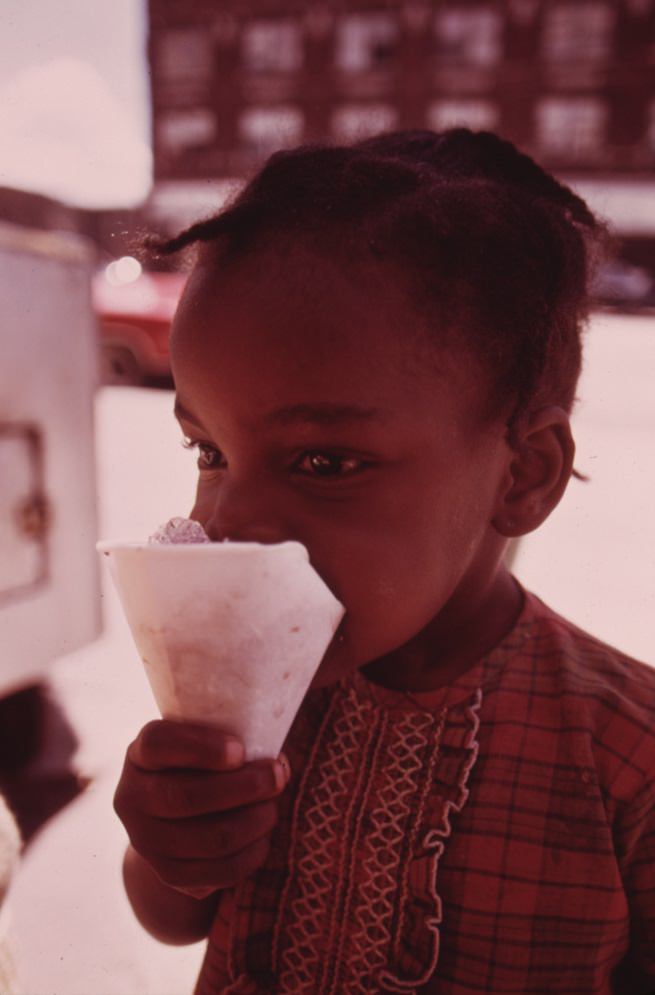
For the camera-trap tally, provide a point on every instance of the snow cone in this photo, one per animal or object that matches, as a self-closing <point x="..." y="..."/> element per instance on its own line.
<point x="230" y="633"/>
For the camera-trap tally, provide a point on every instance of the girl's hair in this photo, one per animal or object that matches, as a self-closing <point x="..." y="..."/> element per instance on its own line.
<point x="498" y="254"/>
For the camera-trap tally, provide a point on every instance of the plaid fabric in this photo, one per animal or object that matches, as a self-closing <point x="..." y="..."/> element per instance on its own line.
<point x="497" y="835"/>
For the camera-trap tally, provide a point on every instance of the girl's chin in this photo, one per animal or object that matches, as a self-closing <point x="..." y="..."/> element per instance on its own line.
<point x="337" y="664"/>
<point x="330" y="672"/>
<point x="346" y="654"/>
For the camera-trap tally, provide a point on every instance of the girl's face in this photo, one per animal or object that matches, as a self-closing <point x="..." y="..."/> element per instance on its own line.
<point x="319" y="413"/>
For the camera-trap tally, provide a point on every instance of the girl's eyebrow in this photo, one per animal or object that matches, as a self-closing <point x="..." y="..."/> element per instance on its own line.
<point x="324" y="414"/>
<point x="317" y="414"/>
<point x="182" y="414"/>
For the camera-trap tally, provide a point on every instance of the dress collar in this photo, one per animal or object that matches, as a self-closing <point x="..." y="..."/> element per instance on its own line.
<point x="481" y="674"/>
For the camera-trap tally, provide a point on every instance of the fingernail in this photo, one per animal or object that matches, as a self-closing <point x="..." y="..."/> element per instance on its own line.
<point x="284" y="764"/>
<point x="234" y="752"/>
<point x="281" y="775"/>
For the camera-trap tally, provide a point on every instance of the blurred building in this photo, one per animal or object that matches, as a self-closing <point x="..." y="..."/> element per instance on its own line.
<point x="572" y="83"/>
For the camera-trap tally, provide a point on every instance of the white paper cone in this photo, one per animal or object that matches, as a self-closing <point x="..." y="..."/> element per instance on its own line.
<point x="229" y="633"/>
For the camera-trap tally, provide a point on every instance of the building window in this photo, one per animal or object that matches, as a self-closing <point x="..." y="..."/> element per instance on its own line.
<point x="366" y="42"/>
<point x="578" y="32"/>
<point x="468" y="35"/>
<point x="571" y="128"/>
<point x="265" y="129"/>
<point x="185" y="54"/>
<point x="479" y="115"/>
<point x="186" y="129"/>
<point x="354" y="122"/>
<point x="272" y="47"/>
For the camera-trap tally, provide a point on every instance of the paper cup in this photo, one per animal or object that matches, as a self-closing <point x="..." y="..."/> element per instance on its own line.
<point x="229" y="633"/>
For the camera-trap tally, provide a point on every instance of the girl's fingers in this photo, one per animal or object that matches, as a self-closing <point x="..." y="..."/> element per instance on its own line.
<point x="194" y="810"/>
<point x="183" y="793"/>
<point x="164" y="744"/>
<point x="210" y="875"/>
<point x="206" y="837"/>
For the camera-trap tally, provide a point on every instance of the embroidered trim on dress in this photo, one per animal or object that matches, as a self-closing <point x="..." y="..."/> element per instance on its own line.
<point x="433" y="842"/>
<point x="360" y="910"/>
<point x="317" y="860"/>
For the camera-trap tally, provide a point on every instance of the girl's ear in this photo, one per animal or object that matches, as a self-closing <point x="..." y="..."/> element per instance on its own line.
<point x="540" y="463"/>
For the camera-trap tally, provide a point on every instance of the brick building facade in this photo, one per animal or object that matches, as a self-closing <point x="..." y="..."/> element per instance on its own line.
<point x="571" y="82"/>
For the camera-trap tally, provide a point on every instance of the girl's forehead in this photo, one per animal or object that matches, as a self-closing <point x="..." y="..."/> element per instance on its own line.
<point x="302" y="323"/>
<point x="307" y="271"/>
<point x="327" y="296"/>
<point x="305" y="307"/>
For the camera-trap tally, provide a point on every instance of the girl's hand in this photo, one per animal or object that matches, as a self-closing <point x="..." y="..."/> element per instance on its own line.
<point x="193" y="809"/>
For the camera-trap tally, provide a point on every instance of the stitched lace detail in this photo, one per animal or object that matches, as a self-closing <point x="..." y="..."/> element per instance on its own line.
<point x="355" y="916"/>
<point x="317" y="860"/>
<point x="434" y="845"/>
<point x="384" y="870"/>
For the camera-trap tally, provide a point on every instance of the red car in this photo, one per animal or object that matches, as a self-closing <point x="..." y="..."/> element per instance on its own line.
<point x="134" y="310"/>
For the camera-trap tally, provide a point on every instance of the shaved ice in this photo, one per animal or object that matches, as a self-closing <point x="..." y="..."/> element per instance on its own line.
<point x="179" y="530"/>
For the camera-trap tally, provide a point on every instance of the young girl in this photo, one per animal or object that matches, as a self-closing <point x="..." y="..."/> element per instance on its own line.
<point x="376" y="354"/>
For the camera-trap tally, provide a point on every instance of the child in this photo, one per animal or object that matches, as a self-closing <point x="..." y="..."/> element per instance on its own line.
<point x="376" y="354"/>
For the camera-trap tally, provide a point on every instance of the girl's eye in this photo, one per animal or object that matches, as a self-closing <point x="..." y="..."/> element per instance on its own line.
<point x="315" y="463"/>
<point x="209" y="458"/>
<point x="321" y="464"/>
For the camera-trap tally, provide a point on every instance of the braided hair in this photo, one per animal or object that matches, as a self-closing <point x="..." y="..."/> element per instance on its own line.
<point x="498" y="253"/>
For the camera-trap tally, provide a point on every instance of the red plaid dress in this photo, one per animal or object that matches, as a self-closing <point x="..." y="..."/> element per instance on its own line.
<point x="496" y="835"/>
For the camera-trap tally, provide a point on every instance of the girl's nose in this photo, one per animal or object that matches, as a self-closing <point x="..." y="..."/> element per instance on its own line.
<point x="244" y="513"/>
